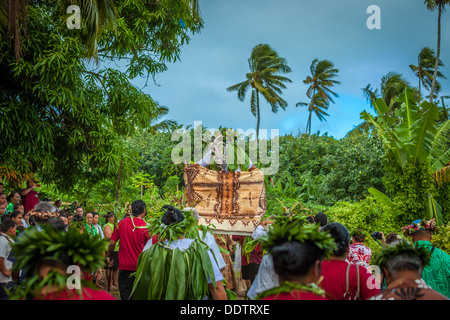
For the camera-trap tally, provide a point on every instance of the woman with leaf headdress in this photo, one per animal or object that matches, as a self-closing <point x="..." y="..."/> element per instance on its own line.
<point x="179" y="266"/>
<point x="297" y="251"/>
<point x="54" y="262"/>
<point x="401" y="265"/>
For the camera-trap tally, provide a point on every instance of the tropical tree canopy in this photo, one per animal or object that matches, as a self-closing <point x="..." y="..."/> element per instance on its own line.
<point x="65" y="118"/>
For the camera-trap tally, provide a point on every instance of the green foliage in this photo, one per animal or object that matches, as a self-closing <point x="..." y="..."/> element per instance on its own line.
<point x="443" y="198"/>
<point x="367" y="215"/>
<point x="74" y="116"/>
<point x="442" y="239"/>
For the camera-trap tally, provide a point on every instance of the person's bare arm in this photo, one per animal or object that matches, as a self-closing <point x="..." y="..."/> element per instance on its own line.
<point x="107" y="232"/>
<point x="111" y="246"/>
<point x="219" y="292"/>
<point x="3" y="269"/>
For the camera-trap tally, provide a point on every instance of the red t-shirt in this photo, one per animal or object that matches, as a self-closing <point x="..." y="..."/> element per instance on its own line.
<point x="132" y="241"/>
<point x="334" y="280"/>
<point x="30" y="200"/>
<point x="255" y="255"/>
<point x="295" y="295"/>
<point x="87" y="294"/>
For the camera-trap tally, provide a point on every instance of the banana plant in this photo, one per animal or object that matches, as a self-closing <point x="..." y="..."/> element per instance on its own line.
<point x="412" y="137"/>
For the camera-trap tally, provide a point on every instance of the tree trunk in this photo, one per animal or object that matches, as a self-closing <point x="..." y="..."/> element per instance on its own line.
<point x="438" y="53"/>
<point x="258" y="116"/>
<point x="118" y="179"/>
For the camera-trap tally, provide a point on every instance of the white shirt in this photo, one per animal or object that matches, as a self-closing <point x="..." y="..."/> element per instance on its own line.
<point x="206" y="161"/>
<point x="265" y="279"/>
<point x="212" y="244"/>
<point x="5" y="249"/>
<point x="99" y="230"/>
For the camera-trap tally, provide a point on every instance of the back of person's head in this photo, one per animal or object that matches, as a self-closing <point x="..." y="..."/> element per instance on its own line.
<point x="7" y="224"/>
<point x="44" y="206"/>
<point x="138" y="207"/>
<point x="57" y="224"/>
<point x="404" y="262"/>
<point x="295" y="259"/>
<point x="422" y="235"/>
<point x="321" y="219"/>
<point x="358" y="235"/>
<point x="391" y="237"/>
<point x="340" y="235"/>
<point x="171" y="215"/>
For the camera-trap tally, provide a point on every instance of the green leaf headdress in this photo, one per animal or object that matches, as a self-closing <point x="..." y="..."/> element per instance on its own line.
<point x="62" y="248"/>
<point x="187" y="227"/>
<point x="289" y="232"/>
<point x="402" y="247"/>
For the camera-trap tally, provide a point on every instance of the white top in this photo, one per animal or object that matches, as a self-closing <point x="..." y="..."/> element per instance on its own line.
<point x="212" y="244"/>
<point x="265" y="279"/>
<point x="5" y="249"/>
<point x="183" y="245"/>
<point x="206" y="161"/>
<point x="99" y="230"/>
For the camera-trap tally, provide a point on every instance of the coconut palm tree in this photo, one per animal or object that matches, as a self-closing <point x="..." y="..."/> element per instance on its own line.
<point x="264" y="64"/>
<point x="391" y="86"/>
<point x="424" y="69"/>
<point x="320" y="81"/>
<point x="440" y="5"/>
<point x="319" y="107"/>
<point x="264" y="78"/>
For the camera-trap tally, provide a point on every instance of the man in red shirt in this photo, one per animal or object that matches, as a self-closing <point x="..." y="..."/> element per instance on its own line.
<point x="30" y="198"/>
<point x="133" y="235"/>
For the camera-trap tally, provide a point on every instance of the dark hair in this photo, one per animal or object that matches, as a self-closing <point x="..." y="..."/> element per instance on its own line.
<point x="7" y="224"/>
<point x="17" y="205"/>
<point x="11" y="195"/>
<point x="310" y="219"/>
<point x="14" y="214"/>
<point x="138" y="207"/>
<point x="171" y="215"/>
<point x="321" y="219"/>
<point x="358" y="235"/>
<point x="294" y="259"/>
<point x="340" y="235"/>
<point x="57" y="224"/>
<point x="391" y="237"/>
<point x="78" y="218"/>
<point x="108" y="215"/>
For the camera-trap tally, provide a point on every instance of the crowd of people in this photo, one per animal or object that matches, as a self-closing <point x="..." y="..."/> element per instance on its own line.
<point x="306" y="258"/>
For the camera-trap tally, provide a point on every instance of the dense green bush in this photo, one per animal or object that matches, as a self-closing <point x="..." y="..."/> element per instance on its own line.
<point x="442" y="239"/>
<point x="409" y="189"/>
<point x="366" y="215"/>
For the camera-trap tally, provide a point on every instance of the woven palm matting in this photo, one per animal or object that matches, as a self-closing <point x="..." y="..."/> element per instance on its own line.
<point x="233" y="202"/>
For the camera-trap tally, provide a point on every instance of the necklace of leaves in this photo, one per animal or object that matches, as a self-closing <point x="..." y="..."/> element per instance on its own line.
<point x="287" y="287"/>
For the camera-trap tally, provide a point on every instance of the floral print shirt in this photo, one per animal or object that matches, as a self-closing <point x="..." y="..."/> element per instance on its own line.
<point x="359" y="254"/>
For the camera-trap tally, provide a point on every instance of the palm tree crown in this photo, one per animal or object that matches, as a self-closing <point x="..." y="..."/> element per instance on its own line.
<point x="322" y="78"/>
<point x="424" y="69"/>
<point x="264" y="78"/>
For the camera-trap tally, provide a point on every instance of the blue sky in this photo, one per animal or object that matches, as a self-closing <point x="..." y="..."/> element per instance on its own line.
<point x="194" y="89"/>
